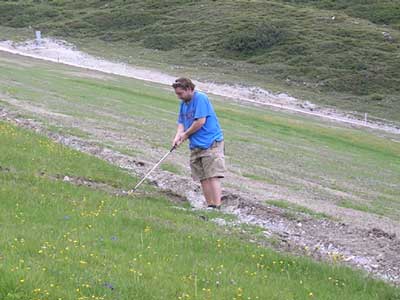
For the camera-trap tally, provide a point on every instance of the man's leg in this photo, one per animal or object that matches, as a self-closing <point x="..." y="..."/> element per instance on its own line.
<point x="216" y="192"/>
<point x="207" y="191"/>
<point x="211" y="167"/>
<point x="212" y="190"/>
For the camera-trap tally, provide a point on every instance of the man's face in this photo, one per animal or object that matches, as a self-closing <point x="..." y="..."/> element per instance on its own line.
<point x="185" y="95"/>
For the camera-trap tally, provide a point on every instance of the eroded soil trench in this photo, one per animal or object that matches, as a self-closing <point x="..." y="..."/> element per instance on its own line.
<point x="369" y="246"/>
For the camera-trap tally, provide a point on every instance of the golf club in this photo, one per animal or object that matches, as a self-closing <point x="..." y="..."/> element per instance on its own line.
<point x="152" y="169"/>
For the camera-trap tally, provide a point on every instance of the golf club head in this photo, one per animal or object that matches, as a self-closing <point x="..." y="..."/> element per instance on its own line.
<point x="127" y="193"/>
<point x="130" y="192"/>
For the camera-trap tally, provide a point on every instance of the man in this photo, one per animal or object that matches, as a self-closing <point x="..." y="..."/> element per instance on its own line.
<point x="198" y="122"/>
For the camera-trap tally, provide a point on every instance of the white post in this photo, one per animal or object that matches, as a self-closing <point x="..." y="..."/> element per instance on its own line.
<point x="366" y="118"/>
<point x="38" y="35"/>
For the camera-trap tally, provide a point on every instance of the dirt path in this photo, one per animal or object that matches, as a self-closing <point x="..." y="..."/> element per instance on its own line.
<point x="62" y="52"/>
<point x="359" y="239"/>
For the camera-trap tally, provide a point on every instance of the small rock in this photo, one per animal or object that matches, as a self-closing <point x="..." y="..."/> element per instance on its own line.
<point x="388" y="37"/>
<point x="308" y="105"/>
<point x="374" y="266"/>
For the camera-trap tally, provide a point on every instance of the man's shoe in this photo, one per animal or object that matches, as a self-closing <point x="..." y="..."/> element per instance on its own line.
<point x="212" y="206"/>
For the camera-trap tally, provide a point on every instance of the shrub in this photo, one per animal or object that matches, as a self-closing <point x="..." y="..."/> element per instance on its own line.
<point x="163" y="42"/>
<point x="251" y="40"/>
<point x="376" y="97"/>
<point x="21" y="16"/>
<point x="120" y="20"/>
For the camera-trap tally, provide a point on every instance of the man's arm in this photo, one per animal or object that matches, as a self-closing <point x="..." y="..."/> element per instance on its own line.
<point x="182" y="135"/>
<point x="196" y="125"/>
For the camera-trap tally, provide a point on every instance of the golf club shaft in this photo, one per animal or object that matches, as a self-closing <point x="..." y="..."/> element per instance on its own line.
<point x="155" y="166"/>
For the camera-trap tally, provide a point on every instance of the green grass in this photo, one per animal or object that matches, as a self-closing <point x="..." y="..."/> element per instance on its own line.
<point x="60" y="241"/>
<point x="380" y="206"/>
<point x="356" y="206"/>
<point x="293" y="207"/>
<point x="68" y="131"/>
<point x="254" y="177"/>
<point x="170" y="167"/>
<point x="38" y="156"/>
<point x="282" y="45"/>
<point x="306" y="157"/>
<point x="380" y="12"/>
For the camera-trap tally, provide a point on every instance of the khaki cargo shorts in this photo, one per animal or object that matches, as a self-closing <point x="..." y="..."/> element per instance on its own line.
<point x="208" y="163"/>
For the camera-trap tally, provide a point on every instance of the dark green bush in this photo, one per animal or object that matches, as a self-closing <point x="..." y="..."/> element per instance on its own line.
<point x="376" y="97"/>
<point x="377" y="11"/>
<point x="251" y="40"/>
<point x="17" y="15"/>
<point x="108" y="20"/>
<point x="163" y="42"/>
<point x="8" y="11"/>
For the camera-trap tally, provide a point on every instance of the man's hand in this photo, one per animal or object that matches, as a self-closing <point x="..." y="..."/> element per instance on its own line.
<point x="182" y="135"/>
<point x="179" y="139"/>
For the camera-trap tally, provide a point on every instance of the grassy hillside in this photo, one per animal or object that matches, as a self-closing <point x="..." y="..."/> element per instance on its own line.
<point x="60" y="241"/>
<point x="324" y="163"/>
<point x="386" y="12"/>
<point x="284" y="45"/>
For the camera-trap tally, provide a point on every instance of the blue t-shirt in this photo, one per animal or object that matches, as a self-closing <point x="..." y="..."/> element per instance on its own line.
<point x="200" y="107"/>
